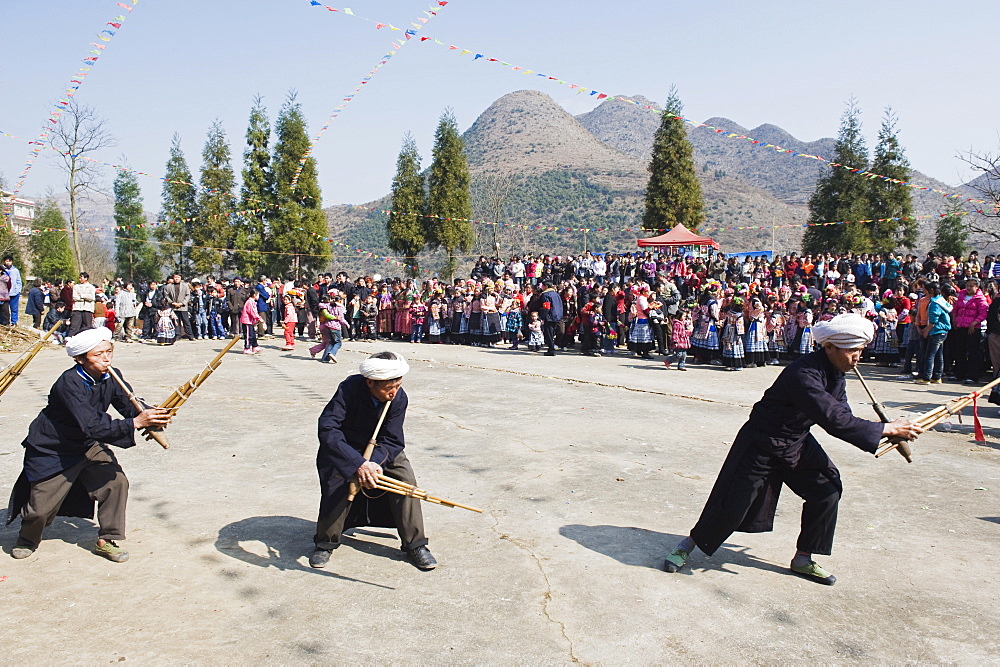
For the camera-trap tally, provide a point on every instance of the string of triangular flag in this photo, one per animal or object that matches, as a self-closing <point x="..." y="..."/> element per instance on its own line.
<point x="430" y="12"/>
<point x="720" y="131"/>
<point x="105" y="36"/>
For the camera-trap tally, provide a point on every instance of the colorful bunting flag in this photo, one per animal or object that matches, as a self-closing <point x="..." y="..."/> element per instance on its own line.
<point x="78" y="77"/>
<point x="396" y="46"/>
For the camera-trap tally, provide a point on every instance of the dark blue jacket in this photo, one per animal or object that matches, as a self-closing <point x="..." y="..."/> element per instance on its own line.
<point x="552" y="306"/>
<point x="345" y="426"/>
<point x="263" y="294"/>
<point x="808" y="391"/>
<point x="36" y="302"/>
<point x="67" y="427"/>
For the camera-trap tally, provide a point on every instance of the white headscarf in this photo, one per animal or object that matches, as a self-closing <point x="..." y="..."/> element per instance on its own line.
<point x="384" y="369"/>
<point x="847" y="331"/>
<point x="87" y="340"/>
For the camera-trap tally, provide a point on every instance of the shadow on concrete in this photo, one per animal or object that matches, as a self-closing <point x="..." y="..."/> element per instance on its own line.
<point x="640" y="547"/>
<point x="991" y="519"/>
<point x="286" y="539"/>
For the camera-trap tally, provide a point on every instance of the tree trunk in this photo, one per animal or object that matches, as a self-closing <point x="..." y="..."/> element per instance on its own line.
<point x="72" y="215"/>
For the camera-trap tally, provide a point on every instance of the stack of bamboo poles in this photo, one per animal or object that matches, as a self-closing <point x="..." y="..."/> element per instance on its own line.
<point x="932" y="418"/>
<point x="402" y="488"/>
<point x="9" y="374"/>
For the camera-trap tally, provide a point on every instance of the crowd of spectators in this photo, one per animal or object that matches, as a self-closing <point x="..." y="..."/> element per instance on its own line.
<point x="936" y="318"/>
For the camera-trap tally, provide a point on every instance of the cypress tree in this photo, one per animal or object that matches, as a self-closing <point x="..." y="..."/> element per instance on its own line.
<point x="673" y="193"/>
<point x="405" y="226"/>
<point x="214" y="227"/>
<point x="179" y="207"/>
<point x="256" y="193"/>
<point x="51" y="255"/>
<point x="135" y="258"/>
<point x="299" y="226"/>
<point x="449" y="199"/>
<point x="841" y="195"/>
<point x="952" y="234"/>
<point x="889" y="199"/>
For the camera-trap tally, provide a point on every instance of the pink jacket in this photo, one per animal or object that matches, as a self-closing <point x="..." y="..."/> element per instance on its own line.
<point x="249" y="314"/>
<point x="968" y="310"/>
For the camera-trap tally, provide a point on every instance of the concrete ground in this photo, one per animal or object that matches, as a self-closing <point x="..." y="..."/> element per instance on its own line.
<point x="588" y="470"/>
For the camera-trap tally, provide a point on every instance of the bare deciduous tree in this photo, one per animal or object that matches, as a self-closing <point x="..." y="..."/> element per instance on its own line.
<point x="80" y="131"/>
<point x="492" y="192"/>
<point x="987" y="184"/>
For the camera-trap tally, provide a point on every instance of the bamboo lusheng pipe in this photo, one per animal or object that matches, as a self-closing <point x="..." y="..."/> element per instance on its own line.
<point x="932" y="418"/>
<point x="151" y="434"/>
<point x="901" y="445"/>
<point x="402" y="488"/>
<point x="878" y="407"/>
<point x="355" y="485"/>
<point x="9" y="374"/>
<point x="177" y="398"/>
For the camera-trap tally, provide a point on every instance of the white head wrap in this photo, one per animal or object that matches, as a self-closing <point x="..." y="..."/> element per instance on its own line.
<point x="847" y="331"/>
<point x="87" y="340"/>
<point x="374" y="368"/>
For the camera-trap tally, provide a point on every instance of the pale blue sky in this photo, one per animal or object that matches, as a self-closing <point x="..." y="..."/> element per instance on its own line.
<point x="177" y="65"/>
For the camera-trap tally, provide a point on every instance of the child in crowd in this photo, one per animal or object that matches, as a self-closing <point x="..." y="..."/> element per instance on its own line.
<point x="680" y="338"/>
<point x="366" y="318"/>
<point x="418" y="313"/>
<point x="57" y="313"/>
<point x="166" y="326"/>
<point x="353" y="316"/>
<point x="110" y="316"/>
<point x="733" y="332"/>
<point x="290" y="319"/>
<point x="249" y="318"/>
<point x="514" y="323"/>
<point x="776" y="328"/>
<point x="535" y="340"/>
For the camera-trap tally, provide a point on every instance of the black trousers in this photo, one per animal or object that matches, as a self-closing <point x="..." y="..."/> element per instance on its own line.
<point x="406" y="512"/>
<point x="747" y="474"/>
<point x="659" y="334"/>
<point x="80" y="320"/>
<point x="187" y="331"/>
<point x="967" y="348"/>
<point x="549" y="331"/>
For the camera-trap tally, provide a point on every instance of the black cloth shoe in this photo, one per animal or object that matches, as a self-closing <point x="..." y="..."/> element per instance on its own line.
<point x="422" y="558"/>
<point x="320" y="558"/>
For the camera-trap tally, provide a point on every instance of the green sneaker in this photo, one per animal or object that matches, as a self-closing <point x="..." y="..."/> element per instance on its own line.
<point x="814" y="572"/>
<point x="112" y="552"/>
<point x="676" y="560"/>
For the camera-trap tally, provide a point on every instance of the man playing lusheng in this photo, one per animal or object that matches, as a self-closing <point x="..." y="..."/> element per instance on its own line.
<point x="775" y="447"/>
<point x="67" y="464"/>
<point x="345" y="426"/>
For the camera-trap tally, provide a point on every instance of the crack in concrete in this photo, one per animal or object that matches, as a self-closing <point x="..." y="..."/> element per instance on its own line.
<point x="547" y="595"/>
<point x="455" y="424"/>
<point x="288" y="378"/>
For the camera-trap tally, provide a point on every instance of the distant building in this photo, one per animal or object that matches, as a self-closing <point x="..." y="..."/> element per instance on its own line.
<point x="23" y="212"/>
